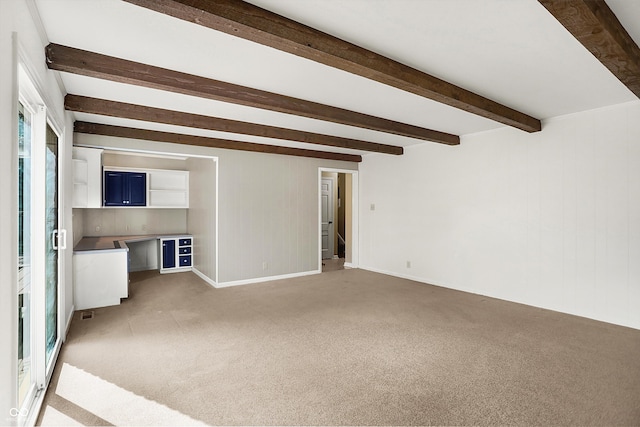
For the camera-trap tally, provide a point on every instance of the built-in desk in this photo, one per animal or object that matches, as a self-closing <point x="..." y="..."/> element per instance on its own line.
<point x="115" y="242"/>
<point x="101" y="268"/>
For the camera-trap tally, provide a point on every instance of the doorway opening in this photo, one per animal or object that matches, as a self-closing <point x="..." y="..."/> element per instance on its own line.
<point x="338" y="219"/>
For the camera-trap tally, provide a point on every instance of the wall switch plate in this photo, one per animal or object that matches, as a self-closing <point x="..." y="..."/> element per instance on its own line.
<point x="373" y="206"/>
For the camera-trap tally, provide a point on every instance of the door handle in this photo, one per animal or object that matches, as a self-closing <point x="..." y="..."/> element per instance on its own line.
<point x="62" y="239"/>
<point x="57" y="237"/>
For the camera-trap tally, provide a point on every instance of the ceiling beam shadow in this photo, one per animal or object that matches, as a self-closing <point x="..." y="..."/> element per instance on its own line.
<point x="103" y="107"/>
<point x="244" y="20"/>
<point x="91" y="64"/>
<point x="202" y="141"/>
<point x="595" y="25"/>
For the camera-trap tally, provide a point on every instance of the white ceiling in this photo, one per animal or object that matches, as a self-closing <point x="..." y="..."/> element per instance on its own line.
<point x="511" y="51"/>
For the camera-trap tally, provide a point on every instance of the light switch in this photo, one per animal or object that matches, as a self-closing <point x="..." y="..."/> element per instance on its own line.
<point x="373" y="206"/>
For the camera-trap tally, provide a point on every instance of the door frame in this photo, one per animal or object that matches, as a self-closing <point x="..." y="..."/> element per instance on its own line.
<point x="29" y="91"/>
<point x="355" y="216"/>
<point x="331" y="226"/>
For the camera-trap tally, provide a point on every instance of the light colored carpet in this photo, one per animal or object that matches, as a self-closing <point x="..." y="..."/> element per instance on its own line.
<point x="347" y="347"/>
<point x="332" y="264"/>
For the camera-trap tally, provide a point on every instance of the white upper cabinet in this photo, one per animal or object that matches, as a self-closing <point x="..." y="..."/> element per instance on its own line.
<point x="168" y="189"/>
<point x="87" y="177"/>
<point x="164" y="188"/>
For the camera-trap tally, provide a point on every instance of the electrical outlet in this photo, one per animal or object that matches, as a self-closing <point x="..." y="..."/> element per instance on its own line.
<point x="144" y="227"/>
<point x="373" y="206"/>
<point x="265" y="265"/>
<point x="98" y="228"/>
<point x="408" y="264"/>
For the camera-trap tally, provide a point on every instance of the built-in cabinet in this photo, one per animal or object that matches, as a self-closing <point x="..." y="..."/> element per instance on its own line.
<point x="96" y="186"/>
<point x="87" y="177"/>
<point x="101" y="266"/>
<point x="125" y="188"/>
<point x="100" y="278"/>
<point x="150" y="188"/>
<point x="168" y="189"/>
<point x="176" y="254"/>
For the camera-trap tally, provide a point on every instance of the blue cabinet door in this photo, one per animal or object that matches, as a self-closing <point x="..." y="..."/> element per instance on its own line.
<point x="168" y="253"/>
<point x="125" y="188"/>
<point x="114" y="189"/>
<point x="137" y="183"/>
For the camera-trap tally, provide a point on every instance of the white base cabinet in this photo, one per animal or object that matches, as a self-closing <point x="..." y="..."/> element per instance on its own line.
<point x="100" y="278"/>
<point x="176" y="254"/>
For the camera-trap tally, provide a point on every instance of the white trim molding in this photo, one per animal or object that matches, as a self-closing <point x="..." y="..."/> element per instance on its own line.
<point x="68" y="325"/>
<point x="267" y="279"/>
<point x="355" y="214"/>
<point x="204" y="277"/>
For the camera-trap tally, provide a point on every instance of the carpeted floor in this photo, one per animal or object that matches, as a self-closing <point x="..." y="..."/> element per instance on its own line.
<point x="332" y="264"/>
<point x="347" y="347"/>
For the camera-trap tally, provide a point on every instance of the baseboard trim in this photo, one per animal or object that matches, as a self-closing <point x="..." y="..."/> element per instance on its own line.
<point x="349" y="265"/>
<point x="267" y="279"/>
<point x="204" y="277"/>
<point x="69" y="320"/>
<point x="590" y="316"/>
<point x="426" y="281"/>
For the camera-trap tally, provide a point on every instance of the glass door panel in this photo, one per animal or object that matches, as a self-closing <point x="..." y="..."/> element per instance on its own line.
<point x="51" y="232"/>
<point x="38" y="241"/>
<point x="26" y="378"/>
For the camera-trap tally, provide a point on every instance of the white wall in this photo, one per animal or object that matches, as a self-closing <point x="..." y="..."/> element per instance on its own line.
<point x="550" y="219"/>
<point x="201" y="216"/>
<point x="15" y="18"/>
<point x="268" y="207"/>
<point x="8" y="231"/>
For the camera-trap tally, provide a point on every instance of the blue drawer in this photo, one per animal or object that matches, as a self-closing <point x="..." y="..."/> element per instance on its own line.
<point x="185" y="261"/>
<point x="185" y="250"/>
<point x="185" y="242"/>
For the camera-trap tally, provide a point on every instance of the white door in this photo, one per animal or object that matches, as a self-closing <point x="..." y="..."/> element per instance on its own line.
<point x="327" y="217"/>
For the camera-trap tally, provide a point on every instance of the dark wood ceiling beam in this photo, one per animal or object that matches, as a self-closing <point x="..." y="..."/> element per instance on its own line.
<point x="244" y="20"/>
<point x="103" y="107"/>
<point x="595" y="25"/>
<point x="82" y="62"/>
<point x="178" y="138"/>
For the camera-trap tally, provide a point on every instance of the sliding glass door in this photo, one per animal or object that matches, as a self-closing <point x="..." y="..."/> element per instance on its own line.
<point x="52" y="245"/>
<point x="26" y="378"/>
<point x="39" y="241"/>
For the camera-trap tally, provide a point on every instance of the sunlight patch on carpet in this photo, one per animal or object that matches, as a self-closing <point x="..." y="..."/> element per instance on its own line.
<point x="115" y="404"/>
